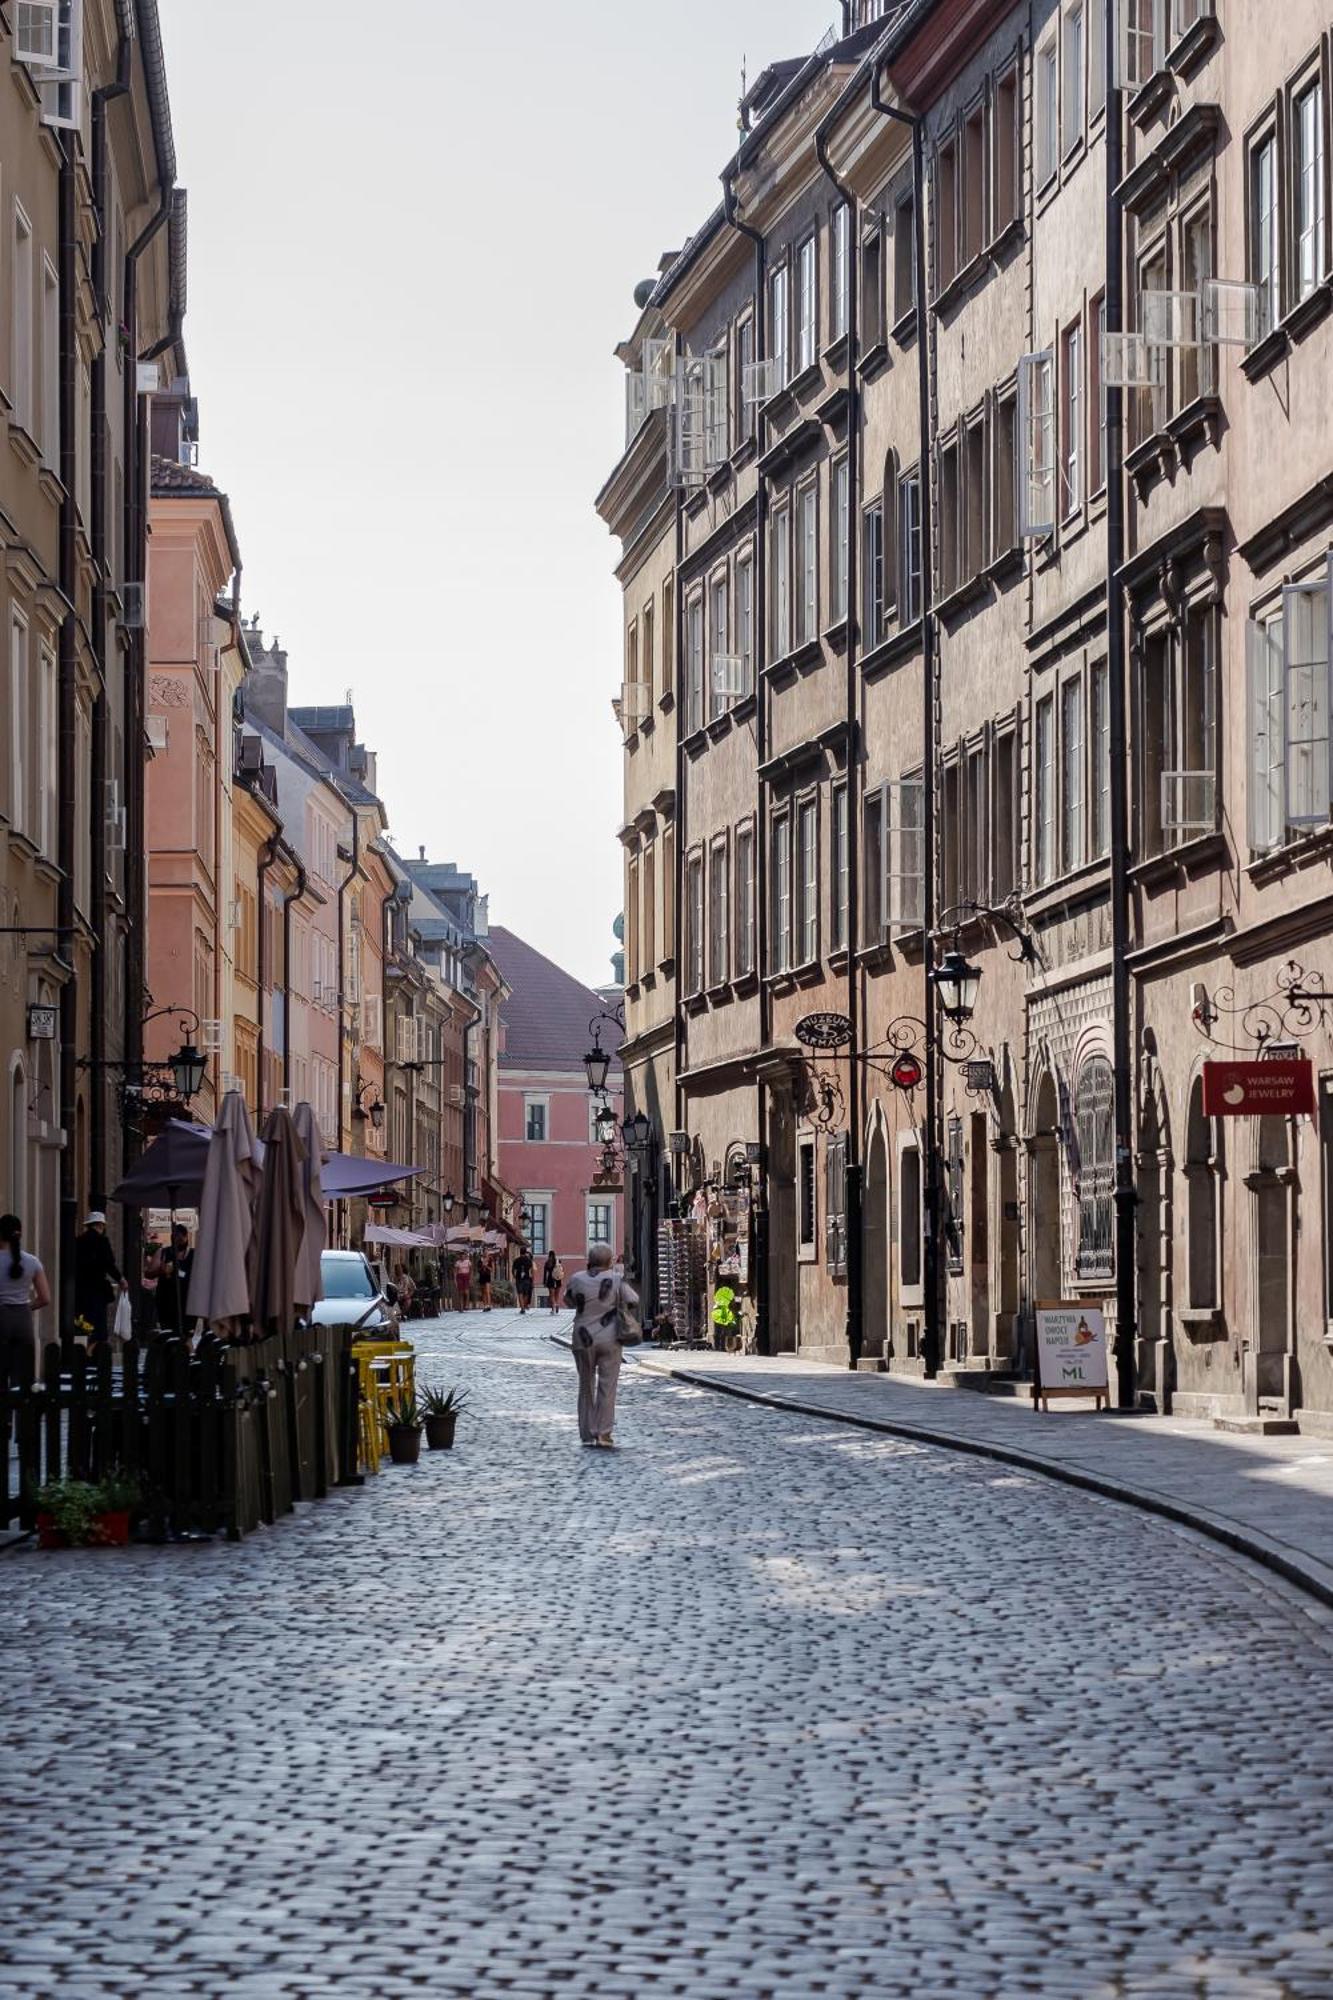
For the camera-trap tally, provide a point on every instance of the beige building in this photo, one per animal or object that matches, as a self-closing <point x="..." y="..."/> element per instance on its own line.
<point x="1115" y="799"/>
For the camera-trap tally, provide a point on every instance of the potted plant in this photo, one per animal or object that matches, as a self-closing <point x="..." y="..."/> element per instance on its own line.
<point x="82" y="1513"/>
<point x="402" y="1419"/>
<point x="439" y="1408"/>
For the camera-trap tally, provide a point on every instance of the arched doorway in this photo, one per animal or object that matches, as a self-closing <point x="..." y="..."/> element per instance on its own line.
<point x="1045" y="1271"/>
<point x="875" y="1241"/>
<point x="1008" y="1229"/>
<point x="1271" y="1184"/>
<point x="16" y="1196"/>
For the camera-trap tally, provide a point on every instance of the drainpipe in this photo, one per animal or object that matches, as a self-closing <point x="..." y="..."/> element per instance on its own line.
<point x="290" y="897"/>
<point x="762" y="1290"/>
<point x="67" y="711"/>
<point x="97" y="914"/>
<point x="268" y="854"/>
<point x="1126" y="1249"/>
<point x="933" y="1270"/>
<point x="855" y="1332"/>
<point x="343" y="887"/>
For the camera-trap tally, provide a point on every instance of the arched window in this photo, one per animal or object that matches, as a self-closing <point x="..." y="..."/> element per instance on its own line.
<point x="1203" y="1185"/>
<point x="1094" y="1125"/>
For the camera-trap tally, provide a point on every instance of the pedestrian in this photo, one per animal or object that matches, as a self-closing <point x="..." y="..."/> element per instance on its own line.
<point x="553" y="1277"/>
<point x="173" y="1282"/>
<point x="523" y="1276"/>
<point x="152" y="1268"/>
<point x="407" y="1292"/>
<point x="97" y="1277"/>
<point x="726" y="1323"/>
<point x="603" y="1323"/>
<point x="24" y="1290"/>
<point x="485" y="1279"/>
<point x="463" y="1281"/>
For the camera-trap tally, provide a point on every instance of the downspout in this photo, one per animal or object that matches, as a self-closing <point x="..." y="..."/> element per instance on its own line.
<point x="343" y="887"/>
<point x="97" y="912"/>
<point x="67" y="711"/>
<point x="932" y="1267"/>
<point x="762" y="1292"/>
<point x="855" y="1330"/>
<point x="268" y="854"/>
<point x="289" y="899"/>
<point x="1126" y="1299"/>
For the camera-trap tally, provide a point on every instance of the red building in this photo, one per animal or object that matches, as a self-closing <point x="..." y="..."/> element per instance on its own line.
<point x="548" y="1149"/>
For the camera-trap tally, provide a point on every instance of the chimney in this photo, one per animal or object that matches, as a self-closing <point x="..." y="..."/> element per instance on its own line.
<point x="421" y="854"/>
<point x="266" y="682"/>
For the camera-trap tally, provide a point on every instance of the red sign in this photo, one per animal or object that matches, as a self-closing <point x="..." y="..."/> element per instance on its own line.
<point x="1258" y="1089"/>
<point x="906" y="1072"/>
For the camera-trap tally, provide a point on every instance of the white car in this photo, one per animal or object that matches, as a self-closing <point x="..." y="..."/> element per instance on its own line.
<point x="353" y="1297"/>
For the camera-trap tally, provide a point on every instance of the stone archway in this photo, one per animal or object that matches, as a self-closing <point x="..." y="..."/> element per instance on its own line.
<point x="1045" y="1267"/>
<point x="875" y="1246"/>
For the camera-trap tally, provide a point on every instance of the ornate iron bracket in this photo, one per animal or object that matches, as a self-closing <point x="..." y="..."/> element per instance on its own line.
<point x="1294" y="1010"/>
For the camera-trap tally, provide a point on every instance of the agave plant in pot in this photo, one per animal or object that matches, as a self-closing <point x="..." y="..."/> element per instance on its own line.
<point x="402" y="1420"/>
<point x="440" y="1408"/>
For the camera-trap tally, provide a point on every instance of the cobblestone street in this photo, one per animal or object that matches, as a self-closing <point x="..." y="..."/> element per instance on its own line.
<point x="755" y="1707"/>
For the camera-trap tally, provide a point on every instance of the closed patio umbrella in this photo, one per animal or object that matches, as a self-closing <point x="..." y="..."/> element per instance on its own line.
<point x="279" y="1228"/>
<point x="219" y="1281"/>
<point x="309" y="1284"/>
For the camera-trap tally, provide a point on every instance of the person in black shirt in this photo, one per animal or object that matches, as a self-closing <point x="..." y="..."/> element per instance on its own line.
<point x="523" y="1276"/>
<point x="97" y="1276"/>
<point x="173" y="1281"/>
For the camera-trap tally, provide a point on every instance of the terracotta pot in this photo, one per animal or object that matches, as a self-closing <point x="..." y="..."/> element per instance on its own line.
<point x="404" y="1444"/>
<point x="106" y="1531"/>
<point x="440" y="1431"/>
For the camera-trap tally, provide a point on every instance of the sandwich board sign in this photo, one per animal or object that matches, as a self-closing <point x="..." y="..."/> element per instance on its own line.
<point x="1071" y="1352"/>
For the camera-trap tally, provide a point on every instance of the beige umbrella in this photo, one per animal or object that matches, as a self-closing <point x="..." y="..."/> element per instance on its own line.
<point x="219" y="1286"/>
<point x="309" y="1285"/>
<point x="279" y="1227"/>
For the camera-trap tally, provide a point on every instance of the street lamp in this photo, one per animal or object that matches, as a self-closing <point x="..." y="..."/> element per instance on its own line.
<point x="189" y="1066"/>
<point x="957" y="984"/>
<point x="447" y="1203"/>
<point x="597" y="1063"/>
<point x="638" y="1131"/>
<point x="606" y="1126"/>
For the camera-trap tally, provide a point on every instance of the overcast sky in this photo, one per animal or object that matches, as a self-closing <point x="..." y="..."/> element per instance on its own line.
<point x="415" y="232"/>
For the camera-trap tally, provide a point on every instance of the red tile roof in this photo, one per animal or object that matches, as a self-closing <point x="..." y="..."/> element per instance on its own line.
<point x="547" y="1014"/>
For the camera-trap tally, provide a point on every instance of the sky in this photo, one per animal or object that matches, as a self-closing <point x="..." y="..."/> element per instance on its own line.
<point x="415" y="233"/>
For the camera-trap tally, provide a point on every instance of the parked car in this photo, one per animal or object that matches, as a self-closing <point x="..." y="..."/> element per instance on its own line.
<point x="353" y="1296"/>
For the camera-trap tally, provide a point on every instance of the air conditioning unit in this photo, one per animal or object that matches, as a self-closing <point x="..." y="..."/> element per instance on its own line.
<point x="134" y="603"/>
<point x="146" y="379"/>
<point x="156" y="727"/>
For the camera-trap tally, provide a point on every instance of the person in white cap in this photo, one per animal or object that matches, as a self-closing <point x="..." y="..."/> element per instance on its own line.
<point x="97" y="1276"/>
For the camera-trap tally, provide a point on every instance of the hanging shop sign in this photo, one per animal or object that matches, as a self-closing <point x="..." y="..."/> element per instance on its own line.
<point x="678" y="1142"/>
<point x="907" y="1071"/>
<point x="824" y="1031"/>
<point x="1263" y="1089"/>
<point x="1071" y="1352"/>
<point x="42" y="1024"/>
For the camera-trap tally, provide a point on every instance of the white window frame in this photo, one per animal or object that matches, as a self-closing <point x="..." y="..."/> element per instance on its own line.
<point x="46" y="817"/>
<point x="807" y="304"/>
<point x="839" y="868"/>
<point x="781" y="550"/>
<point x="50" y="439"/>
<point x="1308" y="772"/>
<point x="23" y="323"/>
<point x="1072" y="840"/>
<point x="807" y="1175"/>
<point x="807" y="575"/>
<point x="839" y="553"/>
<point x="1043" y="791"/>
<point x="20" y="641"/>
<point x="1037" y="445"/>
<point x="605" y="1212"/>
<point x="719" y="636"/>
<point x="872" y="574"/>
<point x="695" y="941"/>
<point x="538" y="1206"/>
<point x="779" y="323"/>
<point x="840" y="242"/>
<point x="694" y="662"/>
<point x="780" y="891"/>
<point x="903" y="834"/>
<point x="1267" y="745"/>
<point x="1308" y="195"/>
<point x="745" y="617"/>
<point x="743" y="851"/>
<point x="805" y="879"/>
<point x="1073" y="56"/>
<point x="1265" y="223"/>
<point x="719" y="911"/>
<point x="909" y="549"/>
<point x="1071" y="442"/>
<point x="1046" y="69"/>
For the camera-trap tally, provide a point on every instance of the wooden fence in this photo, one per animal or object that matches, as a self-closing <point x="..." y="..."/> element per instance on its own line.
<point x="222" y="1439"/>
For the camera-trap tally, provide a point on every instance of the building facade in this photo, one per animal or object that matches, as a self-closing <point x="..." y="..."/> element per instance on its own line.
<point x="999" y="362"/>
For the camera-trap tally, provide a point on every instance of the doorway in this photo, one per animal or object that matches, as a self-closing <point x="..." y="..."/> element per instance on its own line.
<point x="1047" y="1281"/>
<point x="875" y="1238"/>
<point x="979" y="1301"/>
<point x="1271" y="1196"/>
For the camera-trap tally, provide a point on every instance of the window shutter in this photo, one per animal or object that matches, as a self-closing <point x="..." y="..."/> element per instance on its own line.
<point x="657" y="373"/>
<point x="835" y="1203"/>
<point x="715" y="410"/>
<point x="1305" y="639"/>
<point x="904" y="812"/>
<point x="1169" y="319"/>
<point x="1233" y="313"/>
<point x="37" y="33"/>
<point x="636" y="405"/>
<point x="406" y="1038"/>
<point x="1036" y="426"/>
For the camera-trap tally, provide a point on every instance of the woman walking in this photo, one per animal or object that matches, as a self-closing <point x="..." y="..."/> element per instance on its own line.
<point x="603" y="1320"/>
<point x="523" y="1275"/>
<point x="485" y="1279"/>
<point x="24" y="1290"/>
<point x="553" y="1277"/>
<point x="463" y="1282"/>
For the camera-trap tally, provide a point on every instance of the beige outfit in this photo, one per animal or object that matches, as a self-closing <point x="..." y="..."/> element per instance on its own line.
<point x="597" y="1298"/>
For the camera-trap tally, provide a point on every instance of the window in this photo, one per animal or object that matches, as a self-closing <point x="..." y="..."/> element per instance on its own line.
<point x="909" y="1213"/>
<point x="1305" y="623"/>
<point x="1195" y="361"/>
<point x="1004" y="504"/>
<point x="1071" y="775"/>
<point x="632" y="966"/>
<point x="1099" y="818"/>
<point x="744" y="901"/>
<point x="719" y="636"/>
<point x="779" y="325"/>
<point x="909" y="559"/>
<point x="694" y="924"/>
<point x="839" y="246"/>
<point x="669" y="894"/>
<point x="1097" y="395"/>
<point x="50" y="366"/>
<point x="1047" y="111"/>
<point x="807" y="1218"/>
<point x="668" y="638"/>
<point x="946" y="216"/>
<point x="1006" y="872"/>
<point x="539" y="1224"/>
<point x="974" y="498"/>
<point x="1044" y="791"/>
<point x="972" y="219"/>
<point x="745" y="620"/>
<point x="951" y="834"/>
<point x="43" y="812"/>
<point x="1007" y="172"/>
<point x="1308" y="188"/>
<point x="835" y="1204"/>
<point x="1094" y="1122"/>
<point x="840" y="868"/>
<point x="648" y="927"/>
<point x="1071" y="419"/>
<point x="953" y="1195"/>
<point x="807" y="882"/>
<point x="1142" y="41"/>
<point x="873" y="868"/>
<point x="536" y="1120"/>
<point x="806" y="306"/>
<point x="19" y="724"/>
<point x="904" y="854"/>
<point x="1264" y="230"/>
<point x="1036" y="425"/>
<point x="694" y="664"/>
<point x="21" y="367"/>
<point x="948" y="522"/>
<point x="872" y="574"/>
<point x="648" y="666"/>
<point x="1071" y="128"/>
<point x="1203" y="1163"/>
<point x="1177" y="719"/>
<point x="779" y="873"/>
<point x="840" y="531"/>
<point x="743" y="406"/>
<point x="781" y="585"/>
<point x="600" y="1218"/>
<point x="872" y="288"/>
<point x="904" y="257"/>
<point x="719" y="913"/>
<point x="975" y="874"/>
<point x="1096" y="58"/>
<point x="807" y="576"/>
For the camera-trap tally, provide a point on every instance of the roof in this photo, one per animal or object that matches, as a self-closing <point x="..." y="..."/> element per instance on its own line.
<point x="547" y="1013"/>
<point x="315" y="721"/>
<point x="174" y="481"/>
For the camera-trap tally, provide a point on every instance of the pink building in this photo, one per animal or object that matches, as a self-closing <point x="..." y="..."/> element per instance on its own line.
<point x="548" y="1150"/>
